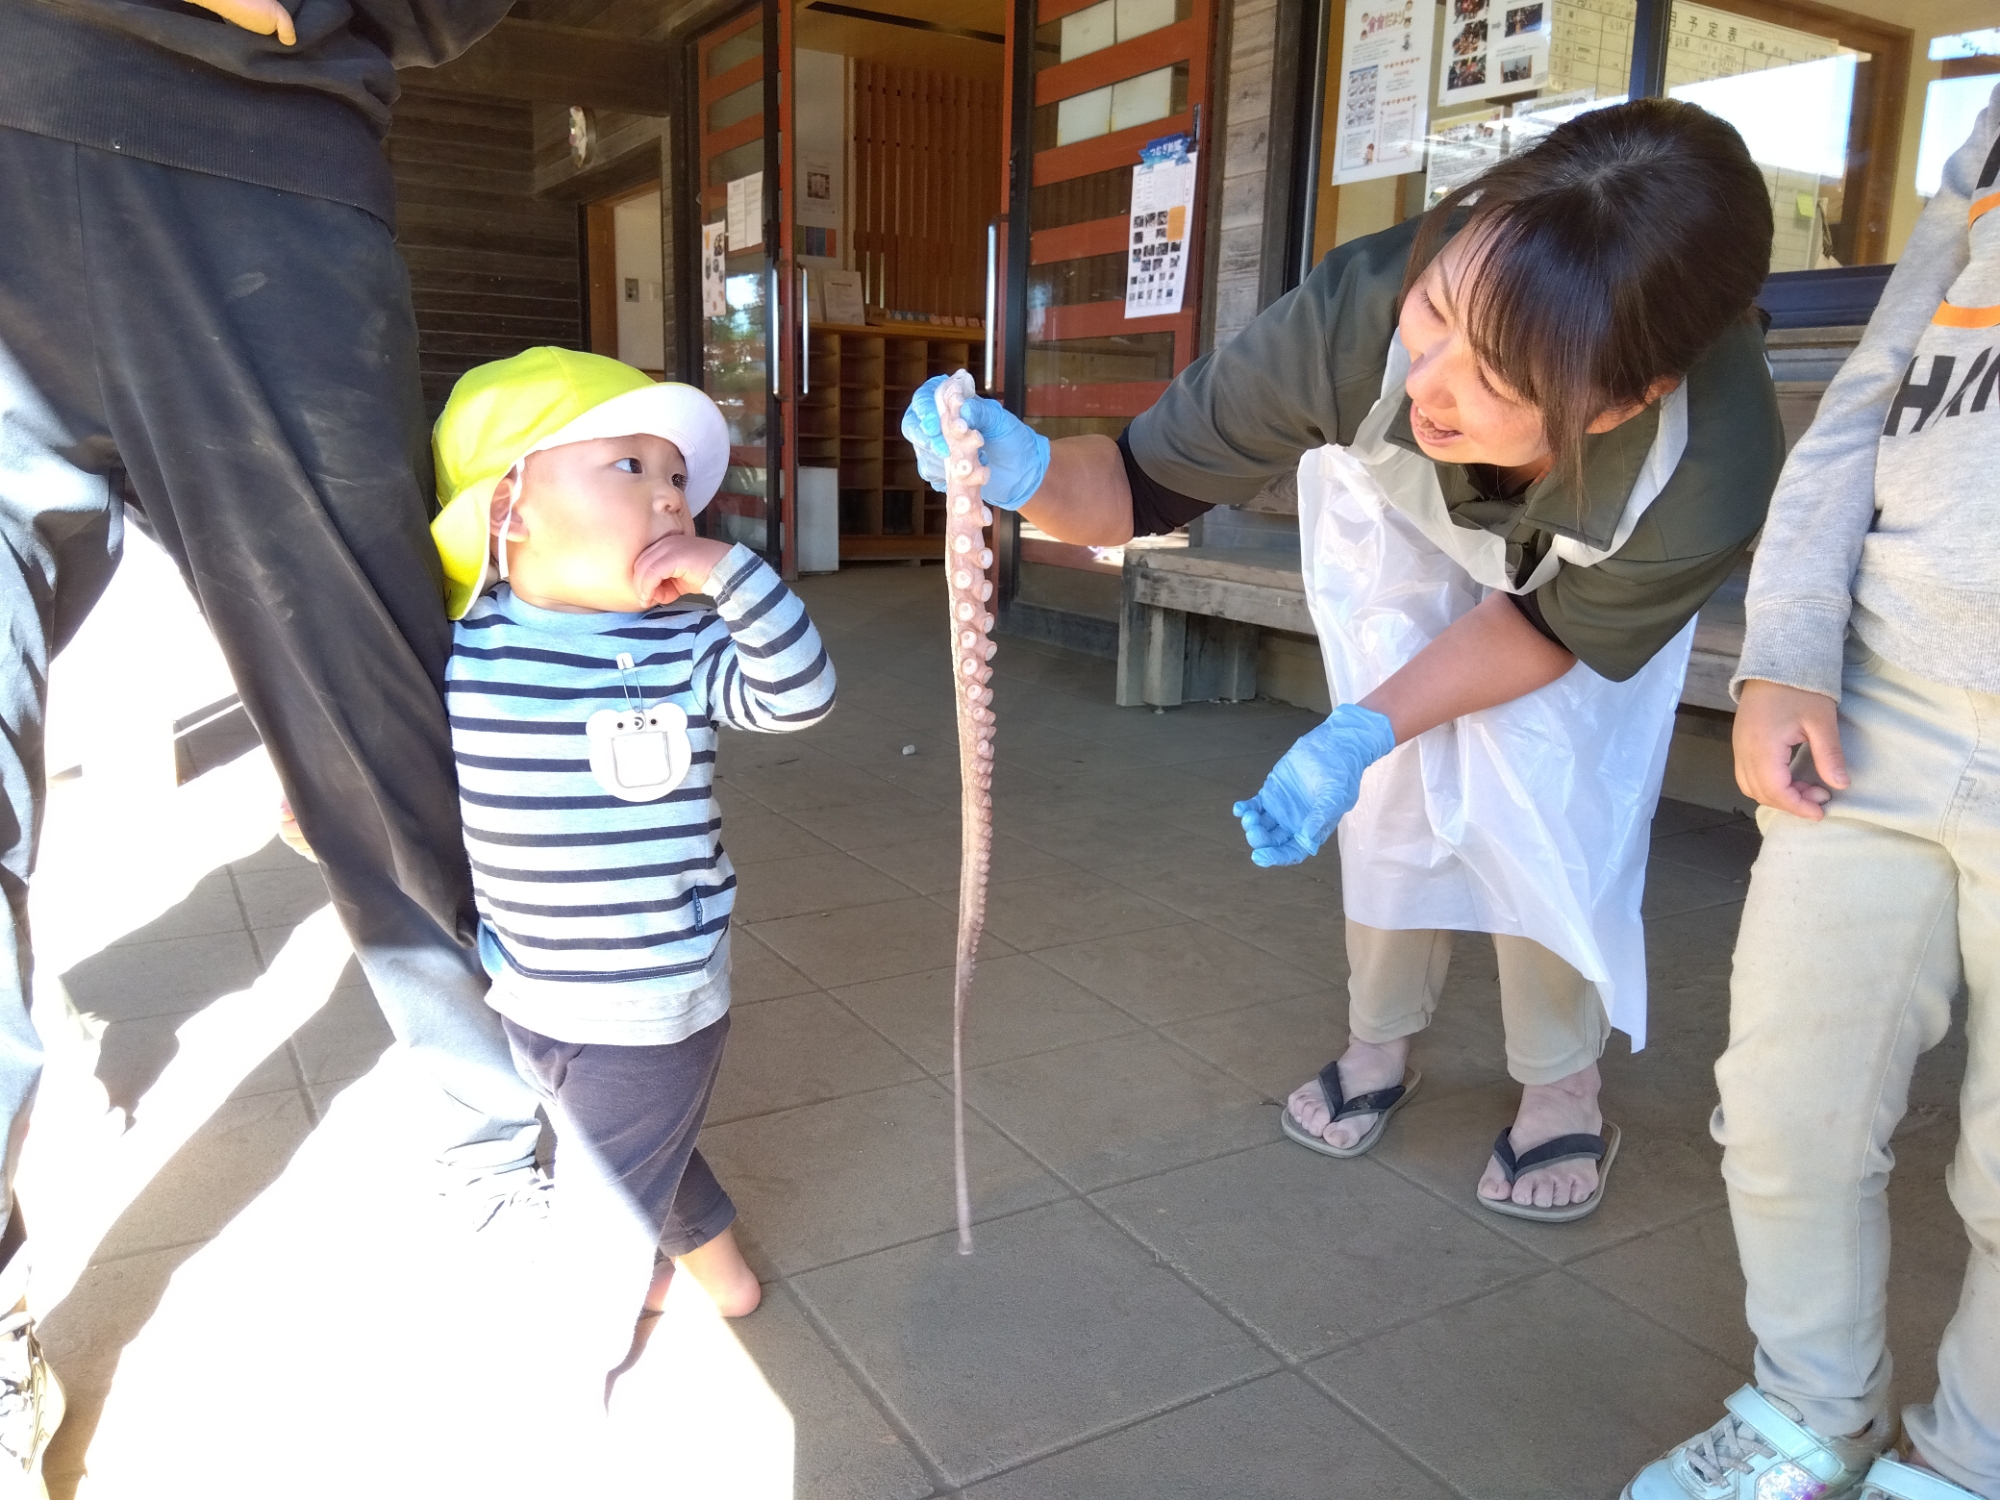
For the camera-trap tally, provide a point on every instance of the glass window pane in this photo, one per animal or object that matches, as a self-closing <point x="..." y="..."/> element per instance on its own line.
<point x="1083" y="117"/>
<point x="1132" y="101"/>
<point x="1088" y="278"/>
<point x="737" y="51"/>
<point x="730" y="109"/>
<point x="1116" y="358"/>
<point x="1089" y="30"/>
<point x="740" y="161"/>
<point x="1101" y="195"/>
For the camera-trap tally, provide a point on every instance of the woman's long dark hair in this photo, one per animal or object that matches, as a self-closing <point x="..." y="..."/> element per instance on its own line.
<point x="1612" y="254"/>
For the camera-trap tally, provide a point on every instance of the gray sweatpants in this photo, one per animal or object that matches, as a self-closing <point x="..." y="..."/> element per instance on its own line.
<point x="240" y="365"/>
<point x="1857" y="932"/>
<point x="629" y="1179"/>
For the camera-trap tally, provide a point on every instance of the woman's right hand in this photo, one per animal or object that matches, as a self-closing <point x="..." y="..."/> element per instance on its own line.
<point x="1772" y="721"/>
<point x="1015" y="455"/>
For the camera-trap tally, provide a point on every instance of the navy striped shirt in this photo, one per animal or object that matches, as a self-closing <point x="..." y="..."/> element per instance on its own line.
<point x="604" y="920"/>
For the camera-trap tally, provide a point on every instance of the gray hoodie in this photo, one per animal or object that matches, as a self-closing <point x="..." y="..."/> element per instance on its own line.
<point x="1887" y="515"/>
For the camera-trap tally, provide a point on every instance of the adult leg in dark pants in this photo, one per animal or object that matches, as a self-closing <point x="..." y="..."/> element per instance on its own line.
<point x="240" y="362"/>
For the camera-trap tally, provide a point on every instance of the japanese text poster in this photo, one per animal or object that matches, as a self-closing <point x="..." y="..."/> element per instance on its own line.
<point x="1493" y="47"/>
<point x="1384" y="90"/>
<point x="1162" y="214"/>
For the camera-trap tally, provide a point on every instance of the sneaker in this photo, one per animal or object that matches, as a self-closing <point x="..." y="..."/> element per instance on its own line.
<point x="504" y="1200"/>
<point x="31" y="1406"/>
<point x="1761" y="1451"/>
<point x="1891" y="1479"/>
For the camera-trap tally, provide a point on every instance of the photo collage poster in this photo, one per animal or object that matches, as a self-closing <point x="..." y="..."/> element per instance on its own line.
<point x="714" y="250"/>
<point x="1162" y="214"/>
<point x="1493" y="47"/>
<point x="1384" y="90"/>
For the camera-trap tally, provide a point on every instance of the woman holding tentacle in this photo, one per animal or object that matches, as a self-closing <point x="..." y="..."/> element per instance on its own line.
<point x="1534" y="430"/>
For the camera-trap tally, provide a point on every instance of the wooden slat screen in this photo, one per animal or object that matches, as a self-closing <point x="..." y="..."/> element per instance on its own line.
<point x="924" y="188"/>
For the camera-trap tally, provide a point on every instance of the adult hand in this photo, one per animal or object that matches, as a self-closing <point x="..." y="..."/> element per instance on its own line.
<point x="675" y="565"/>
<point x="1015" y="455"/>
<point x="264" y="17"/>
<point x="1313" y="787"/>
<point x="1772" y="721"/>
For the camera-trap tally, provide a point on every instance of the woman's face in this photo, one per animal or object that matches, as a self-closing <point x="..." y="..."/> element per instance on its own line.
<point x="1461" y="412"/>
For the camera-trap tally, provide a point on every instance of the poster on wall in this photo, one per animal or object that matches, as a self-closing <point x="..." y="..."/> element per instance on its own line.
<point x="1462" y="147"/>
<point x="1384" y="90"/>
<point x="746" y="212"/>
<point x="714" y="247"/>
<point x="1493" y="47"/>
<point x="1162" y="214"/>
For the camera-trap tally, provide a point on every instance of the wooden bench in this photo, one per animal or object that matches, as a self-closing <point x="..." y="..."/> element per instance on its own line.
<point x="1189" y="617"/>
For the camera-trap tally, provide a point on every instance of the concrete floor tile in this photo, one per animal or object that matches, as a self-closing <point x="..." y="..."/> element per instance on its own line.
<point x="1057" y="1327"/>
<point x="1661" y="1176"/>
<point x="1927" y="1257"/>
<point x="1175" y="973"/>
<point x="1274" y="1439"/>
<point x="1218" y="883"/>
<point x="1672" y="889"/>
<point x="211" y="907"/>
<point x="172" y="976"/>
<point x="1273" y="1047"/>
<point x="1313" y="1253"/>
<point x="811" y="883"/>
<point x="1116" y="838"/>
<point x="800" y="1050"/>
<point x="1103" y="1112"/>
<point x="756" y="838"/>
<point x="806" y="780"/>
<point x="868" y="942"/>
<point x="1726" y="849"/>
<point x="344" y="1038"/>
<point x="225" y="1164"/>
<point x="843" y="1448"/>
<point x="1673" y="816"/>
<point x="1067" y="908"/>
<point x="756" y="973"/>
<point x="281" y="897"/>
<point x="1685" y="1276"/>
<point x="1307" y="937"/>
<point x="1017" y="1007"/>
<point x="931" y="865"/>
<point x="1540" y="1391"/>
<point x="276" y="855"/>
<point x="894" y="818"/>
<point x="839" y="1179"/>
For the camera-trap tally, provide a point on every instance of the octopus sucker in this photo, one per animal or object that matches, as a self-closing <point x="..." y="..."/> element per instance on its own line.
<point x="968" y="558"/>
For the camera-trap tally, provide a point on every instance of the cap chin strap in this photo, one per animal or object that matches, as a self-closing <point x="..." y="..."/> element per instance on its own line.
<point x="513" y="494"/>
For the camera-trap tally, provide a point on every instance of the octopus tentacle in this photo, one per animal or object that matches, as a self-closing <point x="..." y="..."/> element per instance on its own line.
<point x="967" y="559"/>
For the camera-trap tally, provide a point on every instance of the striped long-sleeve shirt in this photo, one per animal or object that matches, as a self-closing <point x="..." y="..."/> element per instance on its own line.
<point x="604" y="920"/>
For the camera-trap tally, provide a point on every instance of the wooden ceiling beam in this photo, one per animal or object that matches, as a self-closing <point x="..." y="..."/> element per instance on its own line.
<point x="557" y="65"/>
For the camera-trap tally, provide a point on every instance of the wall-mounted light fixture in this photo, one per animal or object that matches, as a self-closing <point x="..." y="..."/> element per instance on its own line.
<point x="582" y="135"/>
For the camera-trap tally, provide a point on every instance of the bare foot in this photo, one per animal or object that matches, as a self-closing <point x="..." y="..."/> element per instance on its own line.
<point x="1566" y="1107"/>
<point x="720" y="1270"/>
<point x="1364" y="1068"/>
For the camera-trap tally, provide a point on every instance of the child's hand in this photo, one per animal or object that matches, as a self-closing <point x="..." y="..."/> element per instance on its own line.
<point x="675" y="565"/>
<point x="1772" y="721"/>
<point x="261" y="16"/>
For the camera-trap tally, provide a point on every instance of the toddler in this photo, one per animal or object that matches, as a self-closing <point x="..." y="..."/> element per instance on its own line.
<point x="584" y="692"/>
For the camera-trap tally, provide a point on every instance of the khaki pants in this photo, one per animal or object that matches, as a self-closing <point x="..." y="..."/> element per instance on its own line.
<point x="1555" y="1021"/>
<point x="1856" y="935"/>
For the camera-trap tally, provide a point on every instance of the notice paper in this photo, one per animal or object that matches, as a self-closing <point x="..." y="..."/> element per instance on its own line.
<point x="1493" y="47"/>
<point x="746" y="212"/>
<point x="1384" y="91"/>
<point x="1162" y="214"/>
<point x="714" y="246"/>
<point x="844" y="302"/>
<point x="1462" y="148"/>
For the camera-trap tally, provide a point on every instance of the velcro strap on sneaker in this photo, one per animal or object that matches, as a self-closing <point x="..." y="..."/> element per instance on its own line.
<point x="1790" y="1439"/>
<point x="1903" y="1482"/>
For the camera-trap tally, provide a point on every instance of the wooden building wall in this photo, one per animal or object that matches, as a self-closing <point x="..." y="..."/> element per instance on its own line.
<point x="493" y="269"/>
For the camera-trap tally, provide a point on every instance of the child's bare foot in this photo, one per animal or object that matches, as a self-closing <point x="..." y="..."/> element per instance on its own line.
<point x="1364" y="1068"/>
<point x="720" y="1270"/>
<point x="1566" y="1107"/>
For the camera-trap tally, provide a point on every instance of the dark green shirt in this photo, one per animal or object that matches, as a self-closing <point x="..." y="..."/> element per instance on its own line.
<point x="1306" y="372"/>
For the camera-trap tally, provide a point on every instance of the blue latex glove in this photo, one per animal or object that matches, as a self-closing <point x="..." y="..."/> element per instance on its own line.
<point x="1311" y="789"/>
<point x="1014" y="453"/>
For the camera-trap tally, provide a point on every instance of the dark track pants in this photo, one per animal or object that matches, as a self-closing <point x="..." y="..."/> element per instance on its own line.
<point x="240" y="365"/>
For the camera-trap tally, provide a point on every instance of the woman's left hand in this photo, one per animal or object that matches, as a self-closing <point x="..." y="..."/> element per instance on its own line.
<point x="1313" y="787"/>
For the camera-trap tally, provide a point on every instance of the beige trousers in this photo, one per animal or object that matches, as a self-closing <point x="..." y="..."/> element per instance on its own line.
<point x="1556" y="1024"/>
<point x="1857" y="932"/>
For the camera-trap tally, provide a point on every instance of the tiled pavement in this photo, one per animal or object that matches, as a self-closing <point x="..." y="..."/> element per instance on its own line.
<point x="1167" y="1300"/>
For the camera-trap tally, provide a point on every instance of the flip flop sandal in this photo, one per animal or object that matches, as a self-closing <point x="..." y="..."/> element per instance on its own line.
<point x="1382" y="1104"/>
<point x="1603" y="1149"/>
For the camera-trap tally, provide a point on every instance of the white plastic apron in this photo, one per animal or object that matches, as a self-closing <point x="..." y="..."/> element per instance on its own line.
<point x="1532" y="818"/>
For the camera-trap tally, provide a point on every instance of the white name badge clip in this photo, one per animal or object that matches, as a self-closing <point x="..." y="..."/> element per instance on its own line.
<point x="638" y="754"/>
